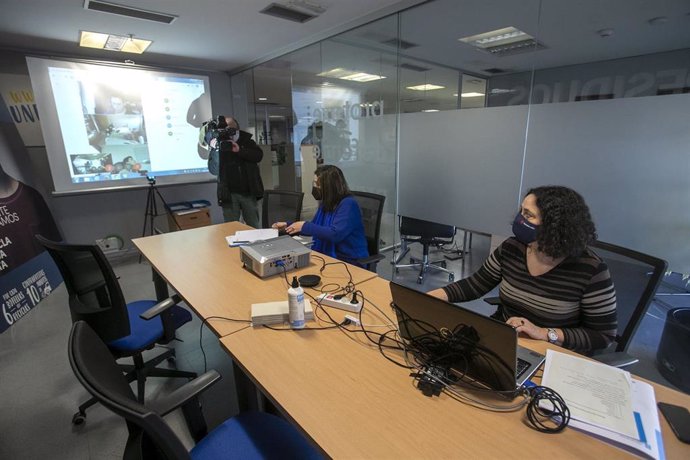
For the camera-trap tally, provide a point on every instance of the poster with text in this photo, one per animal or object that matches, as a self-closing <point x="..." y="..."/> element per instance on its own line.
<point x="18" y="95"/>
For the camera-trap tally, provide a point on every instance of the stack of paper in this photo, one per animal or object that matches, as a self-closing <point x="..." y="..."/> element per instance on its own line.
<point x="606" y="402"/>
<point x="276" y="312"/>
<point x="249" y="236"/>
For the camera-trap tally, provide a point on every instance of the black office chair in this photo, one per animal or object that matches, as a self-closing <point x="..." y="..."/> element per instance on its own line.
<point x="428" y="234"/>
<point x="249" y="435"/>
<point x="128" y="328"/>
<point x="636" y="277"/>
<point x="371" y="206"/>
<point x="280" y="206"/>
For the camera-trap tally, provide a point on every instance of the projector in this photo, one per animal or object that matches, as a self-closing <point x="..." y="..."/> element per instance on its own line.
<point x="270" y="257"/>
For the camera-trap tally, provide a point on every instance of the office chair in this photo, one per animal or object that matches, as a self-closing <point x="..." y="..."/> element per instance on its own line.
<point x="428" y="234"/>
<point x="129" y="329"/>
<point x="249" y="435"/>
<point x="280" y="206"/>
<point x="371" y="206"/>
<point x="636" y="277"/>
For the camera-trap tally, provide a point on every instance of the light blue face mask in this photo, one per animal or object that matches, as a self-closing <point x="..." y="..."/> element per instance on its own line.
<point x="523" y="230"/>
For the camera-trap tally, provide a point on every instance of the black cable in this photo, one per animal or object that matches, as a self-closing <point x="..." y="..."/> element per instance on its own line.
<point x="547" y="418"/>
<point x="206" y="320"/>
<point x="347" y="321"/>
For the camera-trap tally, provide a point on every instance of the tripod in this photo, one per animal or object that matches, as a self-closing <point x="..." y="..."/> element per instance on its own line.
<point x="152" y="209"/>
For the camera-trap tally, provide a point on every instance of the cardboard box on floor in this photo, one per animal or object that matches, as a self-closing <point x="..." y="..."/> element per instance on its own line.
<point x="189" y="218"/>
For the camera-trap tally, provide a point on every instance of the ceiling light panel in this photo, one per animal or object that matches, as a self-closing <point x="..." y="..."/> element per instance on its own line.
<point x="350" y="75"/>
<point x="425" y="87"/>
<point x="125" y="44"/>
<point x="471" y="94"/>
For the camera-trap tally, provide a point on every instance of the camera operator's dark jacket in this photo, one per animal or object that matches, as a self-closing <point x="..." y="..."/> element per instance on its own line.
<point x="239" y="172"/>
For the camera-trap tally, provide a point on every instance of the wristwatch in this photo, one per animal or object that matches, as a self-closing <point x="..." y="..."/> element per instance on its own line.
<point x="552" y="335"/>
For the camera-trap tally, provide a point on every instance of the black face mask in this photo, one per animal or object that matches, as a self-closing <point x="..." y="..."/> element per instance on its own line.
<point x="316" y="193"/>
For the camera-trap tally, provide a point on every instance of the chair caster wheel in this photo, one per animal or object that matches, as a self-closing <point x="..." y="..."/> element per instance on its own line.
<point x="451" y="278"/>
<point x="420" y="280"/>
<point x="171" y="360"/>
<point x="78" y="419"/>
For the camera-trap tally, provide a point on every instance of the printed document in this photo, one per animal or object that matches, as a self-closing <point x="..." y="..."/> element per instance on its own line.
<point x="249" y="236"/>
<point x="595" y="393"/>
<point x="603" y="400"/>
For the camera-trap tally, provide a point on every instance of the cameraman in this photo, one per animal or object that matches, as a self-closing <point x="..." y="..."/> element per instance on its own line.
<point x="239" y="180"/>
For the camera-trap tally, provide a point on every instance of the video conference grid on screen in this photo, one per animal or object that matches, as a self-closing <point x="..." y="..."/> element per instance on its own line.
<point x="118" y="124"/>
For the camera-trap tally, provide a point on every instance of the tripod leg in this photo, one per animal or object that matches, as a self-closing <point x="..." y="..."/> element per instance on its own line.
<point x="147" y="212"/>
<point x="167" y="209"/>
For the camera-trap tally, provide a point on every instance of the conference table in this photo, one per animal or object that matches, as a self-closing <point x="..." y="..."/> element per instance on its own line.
<point x="337" y="387"/>
<point x="208" y="274"/>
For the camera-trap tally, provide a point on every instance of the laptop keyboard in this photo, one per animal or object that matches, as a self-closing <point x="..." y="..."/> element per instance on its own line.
<point x="522" y="366"/>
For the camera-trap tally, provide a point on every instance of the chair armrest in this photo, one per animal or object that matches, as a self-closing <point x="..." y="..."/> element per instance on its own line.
<point x="493" y="300"/>
<point x="616" y="359"/>
<point x="371" y="259"/>
<point x="160" y="307"/>
<point x="180" y="396"/>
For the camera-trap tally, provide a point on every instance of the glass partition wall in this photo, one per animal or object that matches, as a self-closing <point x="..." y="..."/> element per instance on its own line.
<point x="454" y="108"/>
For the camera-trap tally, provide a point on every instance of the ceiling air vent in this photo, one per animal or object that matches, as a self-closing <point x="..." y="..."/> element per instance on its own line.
<point x="128" y="11"/>
<point x="416" y="68"/>
<point x="397" y="43"/>
<point x="283" y="12"/>
<point x="494" y="70"/>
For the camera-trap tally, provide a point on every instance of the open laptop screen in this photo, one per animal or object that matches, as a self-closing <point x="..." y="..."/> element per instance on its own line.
<point x="488" y="347"/>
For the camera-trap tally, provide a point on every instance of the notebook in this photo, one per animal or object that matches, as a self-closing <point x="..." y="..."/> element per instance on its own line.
<point x="503" y="365"/>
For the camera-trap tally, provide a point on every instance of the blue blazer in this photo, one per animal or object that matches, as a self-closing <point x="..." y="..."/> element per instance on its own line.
<point x="340" y="233"/>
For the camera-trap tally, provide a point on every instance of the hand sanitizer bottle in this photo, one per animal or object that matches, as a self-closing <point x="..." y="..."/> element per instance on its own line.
<point x="296" y="305"/>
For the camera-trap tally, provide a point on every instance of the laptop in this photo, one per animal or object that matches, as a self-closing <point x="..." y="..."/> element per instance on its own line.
<point x="502" y="365"/>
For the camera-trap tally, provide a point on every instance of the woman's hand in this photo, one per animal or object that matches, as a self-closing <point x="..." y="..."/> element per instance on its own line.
<point x="439" y="293"/>
<point x="279" y="225"/>
<point x="294" y="228"/>
<point x="528" y="328"/>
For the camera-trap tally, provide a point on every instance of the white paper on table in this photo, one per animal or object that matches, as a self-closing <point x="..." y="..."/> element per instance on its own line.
<point x="595" y="393"/>
<point x="648" y="440"/>
<point x="249" y="236"/>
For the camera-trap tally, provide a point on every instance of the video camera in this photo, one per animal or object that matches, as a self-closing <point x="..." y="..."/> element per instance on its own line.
<point x="219" y="129"/>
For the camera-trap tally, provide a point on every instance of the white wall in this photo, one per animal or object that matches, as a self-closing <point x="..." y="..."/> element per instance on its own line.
<point x="629" y="158"/>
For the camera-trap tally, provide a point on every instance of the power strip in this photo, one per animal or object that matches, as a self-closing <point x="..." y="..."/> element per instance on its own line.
<point x="344" y="303"/>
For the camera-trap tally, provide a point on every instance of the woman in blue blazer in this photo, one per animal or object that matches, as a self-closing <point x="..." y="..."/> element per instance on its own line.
<point x="337" y="227"/>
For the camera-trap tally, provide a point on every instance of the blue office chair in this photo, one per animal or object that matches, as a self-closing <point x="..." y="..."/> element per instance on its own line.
<point x="128" y="328"/>
<point x="247" y="436"/>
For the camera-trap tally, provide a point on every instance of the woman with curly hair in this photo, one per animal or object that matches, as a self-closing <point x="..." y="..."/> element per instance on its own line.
<point x="552" y="286"/>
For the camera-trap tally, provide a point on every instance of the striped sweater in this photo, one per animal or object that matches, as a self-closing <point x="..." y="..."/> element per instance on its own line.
<point x="576" y="296"/>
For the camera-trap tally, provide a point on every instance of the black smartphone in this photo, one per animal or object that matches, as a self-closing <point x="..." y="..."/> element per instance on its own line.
<point x="679" y="419"/>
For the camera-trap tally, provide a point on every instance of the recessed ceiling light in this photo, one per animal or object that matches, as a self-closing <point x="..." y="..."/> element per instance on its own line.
<point x="319" y="102"/>
<point x="496" y="37"/>
<point x="504" y="42"/>
<point x="426" y="87"/>
<point x="471" y="94"/>
<point x="351" y="75"/>
<point x="263" y="98"/>
<point x="430" y="110"/>
<point x="123" y="43"/>
<point x="455" y="94"/>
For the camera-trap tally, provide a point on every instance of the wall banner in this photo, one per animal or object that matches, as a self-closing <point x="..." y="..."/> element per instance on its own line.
<point x="18" y="95"/>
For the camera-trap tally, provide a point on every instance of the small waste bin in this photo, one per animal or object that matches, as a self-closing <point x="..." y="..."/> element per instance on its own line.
<point x="673" y="356"/>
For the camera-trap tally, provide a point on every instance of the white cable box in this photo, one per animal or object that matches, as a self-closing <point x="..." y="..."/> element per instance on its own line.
<point x="276" y="312"/>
